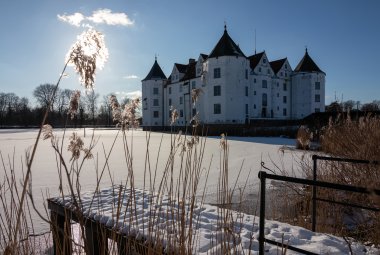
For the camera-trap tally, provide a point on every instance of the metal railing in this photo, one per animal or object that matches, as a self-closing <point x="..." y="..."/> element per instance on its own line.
<point x="314" y="183"/>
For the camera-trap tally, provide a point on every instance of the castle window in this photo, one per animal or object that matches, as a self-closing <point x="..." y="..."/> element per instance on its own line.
<point x="246" y="91"/>
<point x="264" y="84"/>
<point x="286" y="66"/>
<point x="217" y="109"/>
<point x="155" y="114"/>
<point x="278" y="94"/>
<point x="155" y="91"/>
<point x="170" y="101"/>
<point x="246" y="74"/>
<point x="317" y="98"/>
<point x="155" y="102"/>
<point x="254" y="106"/>
<point x="264" y="99"/>
<point x="285" y="88"/>
<point x="284" y="111"/>
<point x="254" y="92"/>
<point x="170" y="90"/>
<point x="181" y="113"/>
<point x="216" y="72"/>
<point x="217" y="91"/>
<point x="259" y="69"/>
<point x="281" y="74"/>
<point x="180" y="88"/>
<point x="254" y="80"/>
<point x="180" y="100"/>
<point x="193" y="85"/>
<point x="284" y="99"/>
<point x="278" y="108"/>
<point x="246" y="109"/>
<point x="317" y="85"/>
<point x="264" y="60"/>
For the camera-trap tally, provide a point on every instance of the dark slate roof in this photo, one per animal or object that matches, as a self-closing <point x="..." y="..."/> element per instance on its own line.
<point x="155" y="73"/>
<point x="226" y="47"/>
<point x="255" y="59"/>
<point x="190" y="72"/>
<point x="307" y="65"/>
<point x="181" y="68"/>
<point x="277" y="64"/>
<point x="204" y="56"/>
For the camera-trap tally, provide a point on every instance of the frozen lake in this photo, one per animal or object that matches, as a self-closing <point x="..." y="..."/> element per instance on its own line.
<point x="244" y="152"/>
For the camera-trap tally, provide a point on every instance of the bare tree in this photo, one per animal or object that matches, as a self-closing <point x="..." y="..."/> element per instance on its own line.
<point x="91" y="100"/>
<point x="63" y="100"/>
<point x="349" y="105"/>
<point x="43" y="94"/>
<point x="106" y="109"/>
<point x="369" y="107"/>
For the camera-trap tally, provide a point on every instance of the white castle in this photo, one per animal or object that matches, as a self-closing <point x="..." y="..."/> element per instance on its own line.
<point x="235" y="88"/>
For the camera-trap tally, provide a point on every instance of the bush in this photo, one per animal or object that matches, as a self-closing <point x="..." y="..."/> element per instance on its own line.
<point x="356" y="140"/>
<point x="304" y="137"/>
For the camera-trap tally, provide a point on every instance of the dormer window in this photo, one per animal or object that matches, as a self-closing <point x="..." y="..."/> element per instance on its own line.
<point x="264" y="60"/>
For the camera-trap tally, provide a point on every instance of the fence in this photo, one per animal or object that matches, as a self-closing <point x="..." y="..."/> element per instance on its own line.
<point x="314" y="183"/>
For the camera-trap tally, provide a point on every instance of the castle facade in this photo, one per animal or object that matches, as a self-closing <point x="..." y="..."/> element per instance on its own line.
<point x="235" y="88"/>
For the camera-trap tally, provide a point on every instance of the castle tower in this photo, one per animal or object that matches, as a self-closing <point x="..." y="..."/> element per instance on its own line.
<point x="153" y="98"/>
<point x="308" y="88"/>
<point x="227" y="85"/>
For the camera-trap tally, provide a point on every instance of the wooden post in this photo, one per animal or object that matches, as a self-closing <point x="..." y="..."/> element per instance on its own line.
<point x="61" y="230"/>
<point x="122" y="245"/>
<point x="96" y="238"/>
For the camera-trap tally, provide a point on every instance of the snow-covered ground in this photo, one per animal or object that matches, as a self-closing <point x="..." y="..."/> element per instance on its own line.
<point x="244" y="153"/>
<point x="209" y="229"/>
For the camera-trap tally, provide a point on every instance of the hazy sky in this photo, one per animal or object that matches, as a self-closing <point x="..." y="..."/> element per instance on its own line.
<point x="342" y="36"/>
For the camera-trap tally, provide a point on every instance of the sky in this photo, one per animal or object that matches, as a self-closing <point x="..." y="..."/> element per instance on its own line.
<point x="342" y="36"/>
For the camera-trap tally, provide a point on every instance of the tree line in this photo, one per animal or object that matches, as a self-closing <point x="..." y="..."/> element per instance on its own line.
<point x="17" y="111"/>
<point x="351" y="105"/>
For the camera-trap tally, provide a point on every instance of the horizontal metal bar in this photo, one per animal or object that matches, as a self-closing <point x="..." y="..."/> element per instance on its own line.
<point x="289" y="247"/>
<point x="349" y="204"/>
<point x="319" y="183"/>
<point x="348" y="160"/>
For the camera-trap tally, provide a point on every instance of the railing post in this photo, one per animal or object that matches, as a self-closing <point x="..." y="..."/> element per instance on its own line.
<point x="262" y="176"/>
<point x="314" y="195"/>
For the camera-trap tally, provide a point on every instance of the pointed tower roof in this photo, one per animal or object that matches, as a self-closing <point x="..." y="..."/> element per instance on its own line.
<point x="277" y="64"/>
<point x="307" y="65"/>
<point x="155" y="73"/>
<point x="226" y="47"/>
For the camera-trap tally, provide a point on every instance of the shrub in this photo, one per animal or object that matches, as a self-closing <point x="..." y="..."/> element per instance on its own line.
<point x="303" y="138"/>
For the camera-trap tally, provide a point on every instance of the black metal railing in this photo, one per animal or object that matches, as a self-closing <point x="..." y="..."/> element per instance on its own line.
<point x="314" y="183"/>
